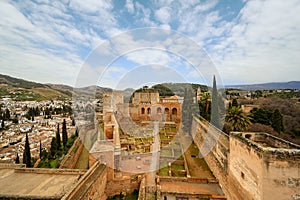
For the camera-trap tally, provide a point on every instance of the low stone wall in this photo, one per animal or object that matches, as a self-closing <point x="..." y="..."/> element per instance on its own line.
<point x="142" y="190"/>
<point x="91" y="185"/>
<point x="11" y="166"/>
<point x="71" y="158"/>
<point x="51" y="171"/>
<point x="186" y="179"/>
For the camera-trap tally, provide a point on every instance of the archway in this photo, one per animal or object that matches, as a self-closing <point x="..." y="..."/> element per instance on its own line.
<point x="174" y="111"/>
<point x="148" y="111"/>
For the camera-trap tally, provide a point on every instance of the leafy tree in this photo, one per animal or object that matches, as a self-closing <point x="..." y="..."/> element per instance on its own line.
<point x="215" y="116"/>
<point x="261" y="115"/>
<point x="237" y="119"/>
<point x="15" y="120"/>
<point x="26" y="154"/>
<point x="17" y="159"/>
<point x="277" y="122"/>
<point x="37" y="111"/>
<point x="58" y="140"/>
<point x="64" y="133"/>
<point x="235" y="103"/>
<point x="7" y="114"/>
<point x="256" y="94"/>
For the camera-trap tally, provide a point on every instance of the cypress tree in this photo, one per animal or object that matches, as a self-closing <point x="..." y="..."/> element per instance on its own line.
<point x="64" y="133"/>
<point x="187" y="110"/>
<point x="53" y="148"/>
<point x="2" y="124"/>
<point x="58" y="140"/>
<point x="7" y="114"/>
<point x="73" y="122"/>
<point x="76" y="132"/>
<point x="40" y="149"/>
<point x="17" y="159"/>
<point x="215" y="117"/>
<point x="27" y="155"/>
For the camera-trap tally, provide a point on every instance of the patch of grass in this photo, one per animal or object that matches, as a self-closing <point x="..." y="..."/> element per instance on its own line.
<point x="54" y="163"/>
<point x="166" y="152"/>
<point x="177" y="167"/>
<point x="164" y="171"/>
<point x="163" y="137"/>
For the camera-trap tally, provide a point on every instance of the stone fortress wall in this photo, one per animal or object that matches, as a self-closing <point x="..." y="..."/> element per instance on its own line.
<point x="250" y="165"/>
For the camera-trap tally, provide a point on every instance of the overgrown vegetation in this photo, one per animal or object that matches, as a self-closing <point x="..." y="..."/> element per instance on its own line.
<point x="53" y="158"/>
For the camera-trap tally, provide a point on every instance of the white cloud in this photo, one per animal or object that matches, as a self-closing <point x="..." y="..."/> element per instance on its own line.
<point x="90" y="6"/>
<point x="163" y="15"/>
<point x="129" y="5"/>
<point x="54" y="36"/>
<point x="263" y="45"/>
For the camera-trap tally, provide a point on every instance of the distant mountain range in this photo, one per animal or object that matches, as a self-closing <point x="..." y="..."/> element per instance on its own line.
<point x="268" y="86"/>
<point x="28" y="90"/>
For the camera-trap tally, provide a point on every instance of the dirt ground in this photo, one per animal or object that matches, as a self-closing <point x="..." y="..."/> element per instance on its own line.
<point x="197" y="166"/>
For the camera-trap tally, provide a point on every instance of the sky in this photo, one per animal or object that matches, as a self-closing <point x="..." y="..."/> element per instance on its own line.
<point x="129" y="43"/>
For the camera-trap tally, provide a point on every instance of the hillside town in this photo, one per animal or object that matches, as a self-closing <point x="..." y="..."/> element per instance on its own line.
<point x="39" y="120"/>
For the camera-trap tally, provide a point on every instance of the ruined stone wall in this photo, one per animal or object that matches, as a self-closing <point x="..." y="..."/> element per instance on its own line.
<point x="245" y="170"/>
<point x="264" y="172"/>
<point x="281" y="175"/>
<point x="91" y="185"/>
<point x="250" y="165"/>
<point x="124" y="185"/>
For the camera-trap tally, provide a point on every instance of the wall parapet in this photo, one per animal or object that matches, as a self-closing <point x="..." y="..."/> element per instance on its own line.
<point x="87" y="182"/>
<point x="269" y="145"/>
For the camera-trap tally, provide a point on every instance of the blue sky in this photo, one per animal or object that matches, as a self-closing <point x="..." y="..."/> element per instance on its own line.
<point x="54" y="41"/>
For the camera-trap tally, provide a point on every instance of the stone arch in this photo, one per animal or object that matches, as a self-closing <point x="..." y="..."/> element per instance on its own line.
<point x="167" y="110"/>
<point x="158" y="110"/>
<point x="148" y="111"/>
<point x="143" y="110"/>
<point x="174" y="111"/>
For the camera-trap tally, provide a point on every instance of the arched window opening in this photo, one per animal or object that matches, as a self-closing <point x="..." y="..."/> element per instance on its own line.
<point x="159" y="110"/>
<point x="149" y="111"/>
<point x="174" y="111"/>
<point x="143" y="111"/>
<point x="167" y="111"/>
